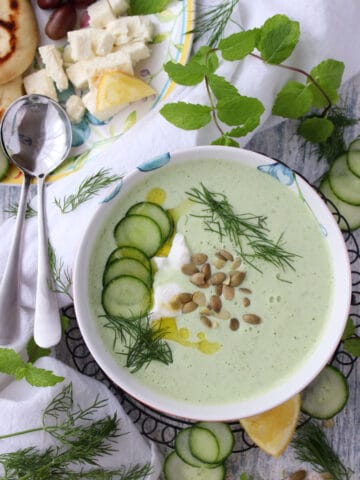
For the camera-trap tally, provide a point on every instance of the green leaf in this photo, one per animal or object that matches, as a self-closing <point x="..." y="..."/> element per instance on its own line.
<point x="10" y="361"/>
<point x="352" y="345"/>
<point x="39" y="377"/>
<point x="35" y="352"/>
<point x="349" y="329"/>
<point x="238" y="45"/>
<point x="130" y="120"/>
<point x="220" y="87"/>
<point x="239" y="110"/>
<point x="316" y="129"/>
<point x="145" y="7"/>
<point x="226" y="141"/>
<point x="278" y="38"/>
<point x="190" y="74"/>
<point x="207" y="57"/>
<point x="328" y="74"/>
<point x="293" y="100"/>
<point x="187" y="116"/>
<point x="159" y="38"/>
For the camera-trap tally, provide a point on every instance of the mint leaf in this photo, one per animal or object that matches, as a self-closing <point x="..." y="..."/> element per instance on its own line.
<point x="190" y="74"/>
<point x="207" y="57"/>
<point x="220" y="87"/>
<point x="145" y="7"/>
<point x="349" y="329"/>
<point x="35" y="352"/>
<point x="239" y="110"/>
<point x="11" y="362"/>
<point x="352" y="345"/>
<point x="278" y="38"/>
<point x="238" y="45"/>
<point x="328" y="74"/>
<point x="226" y="141"/>
<point x="293" y="100"/>
<point x="187" y="116"/>
<point x="316" y="129"/>
<point x="39" y="377"/>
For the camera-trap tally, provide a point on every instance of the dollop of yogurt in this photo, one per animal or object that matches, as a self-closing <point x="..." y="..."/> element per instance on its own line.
<point x="168" y="279"/>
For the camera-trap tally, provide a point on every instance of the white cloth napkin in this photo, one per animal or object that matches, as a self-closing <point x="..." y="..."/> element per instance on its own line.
<point x="328" y="30"/>
<point x="22" y="407"/>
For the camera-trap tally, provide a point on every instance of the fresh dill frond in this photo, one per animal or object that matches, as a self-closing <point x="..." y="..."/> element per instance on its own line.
<point x="142" y="342"/>
<point x="311" y="445"/>
<point x="61" y="276"/>
<point x="13" y="207"/>
<point x="247" y="232"/>
<point x="88" y="188"/>
<point x="214" y="20"/>
<point x="82" y="442"/>
<point x="335" y="145"/>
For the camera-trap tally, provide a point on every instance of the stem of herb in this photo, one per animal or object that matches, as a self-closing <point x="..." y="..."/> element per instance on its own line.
<point x="308" y="76"/>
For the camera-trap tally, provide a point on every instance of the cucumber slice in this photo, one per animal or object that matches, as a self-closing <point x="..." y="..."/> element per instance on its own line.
<point x="343" y="182"/>
<point x="140" y="232"/>
<point x="156" y="213"/>
<point x="350" y="212"/>
<point x="129" y="252"/>
<point x="4" y="164"/>
<point x="224" y="437"/>
<point x="326" y="395"/>
<point x="182" y="448"/>
<point x="354" y="145"/>
<point x="127" y="266"/>
<point x="126" y="297"/>
<point x="176" y="469"/>
<point x="204" y="445"/>
<point x="353" y="161"/>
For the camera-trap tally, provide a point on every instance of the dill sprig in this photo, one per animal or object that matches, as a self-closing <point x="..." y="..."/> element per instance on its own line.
<point x="214" y="20"/>
<point x="247" y="232"/>
<point x="142" y="342"/>
<point x="13" y="207"/>
<point x="61" y="276"/>
<point x="82" y="439"/>
<point x="88" y="188"/>
<point x="335" y="145"/>
<point x="311" y="445"/>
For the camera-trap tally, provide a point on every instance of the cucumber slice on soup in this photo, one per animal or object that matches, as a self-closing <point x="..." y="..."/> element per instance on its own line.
<point x="127" y="266"/>
<point x="156" y="213"/>
<point x="129" y="252"/>
<point x="126" y="297"/>
<point x="140" y="232"/>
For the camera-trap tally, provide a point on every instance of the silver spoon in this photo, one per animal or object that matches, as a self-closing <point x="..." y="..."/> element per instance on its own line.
<point x="36" y="136"/>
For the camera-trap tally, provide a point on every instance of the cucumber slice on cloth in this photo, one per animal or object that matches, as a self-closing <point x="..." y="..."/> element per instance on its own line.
<point x="350" y="212"/>
<point x="343" y="182"/>
<point x="177" y="469"/>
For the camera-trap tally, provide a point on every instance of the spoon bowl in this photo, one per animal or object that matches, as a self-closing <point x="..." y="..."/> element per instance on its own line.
<point x="36" y="136"/>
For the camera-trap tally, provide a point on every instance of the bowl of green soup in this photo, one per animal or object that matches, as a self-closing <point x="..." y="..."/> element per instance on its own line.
<point x="213" y="284"/>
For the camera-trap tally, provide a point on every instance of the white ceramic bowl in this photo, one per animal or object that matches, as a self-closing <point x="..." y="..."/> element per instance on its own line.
<point x="302" y="376"/>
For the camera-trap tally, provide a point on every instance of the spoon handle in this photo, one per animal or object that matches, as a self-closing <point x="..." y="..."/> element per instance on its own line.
<point x="9" y="287"/>
<point x="47" y="327"/>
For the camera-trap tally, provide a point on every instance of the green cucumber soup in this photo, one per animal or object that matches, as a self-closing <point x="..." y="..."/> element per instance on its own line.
<point x="230" y="360"/>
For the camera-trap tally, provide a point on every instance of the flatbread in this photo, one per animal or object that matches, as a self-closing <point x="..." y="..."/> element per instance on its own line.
<point x="9" y="92"/>
<point x="18" y="38"/>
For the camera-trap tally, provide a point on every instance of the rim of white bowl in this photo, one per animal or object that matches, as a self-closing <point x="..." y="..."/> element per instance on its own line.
<point x="321" y="355"/>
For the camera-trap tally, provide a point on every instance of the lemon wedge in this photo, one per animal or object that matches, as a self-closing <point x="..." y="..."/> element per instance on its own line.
<point x="115" y="89"/>
<point x="272" y="431"/>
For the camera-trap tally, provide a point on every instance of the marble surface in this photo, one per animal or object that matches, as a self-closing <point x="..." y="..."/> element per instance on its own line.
<point x="282" y="143"/>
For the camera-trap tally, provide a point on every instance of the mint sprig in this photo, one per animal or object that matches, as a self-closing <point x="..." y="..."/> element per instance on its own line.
<point x="312" y="102"/>
<point x="11" y="363"/>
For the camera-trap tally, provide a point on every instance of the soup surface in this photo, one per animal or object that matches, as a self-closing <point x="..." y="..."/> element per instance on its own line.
<point x="220" y="364"/>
